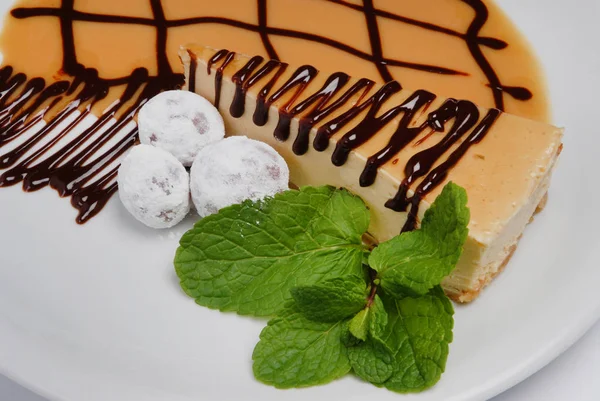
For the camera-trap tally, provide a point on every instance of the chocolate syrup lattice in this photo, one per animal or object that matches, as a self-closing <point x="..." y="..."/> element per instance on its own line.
<point x="83" y="167"/>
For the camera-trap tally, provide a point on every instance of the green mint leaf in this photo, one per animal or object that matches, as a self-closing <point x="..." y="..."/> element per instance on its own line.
<point x="331" y="300"/>
<point x="294" y="351"/>
<point x="371" y="320"/>
<point x="414" y="262"/>
<point x="418" y="333"/>
<point x="359" y="325"/>
<point x="347" y="337"/>
<point x="379" y="318"/>
<point x="447" y="219"/>
<point x="247" y="257"/>
<point x="372" y="361"/>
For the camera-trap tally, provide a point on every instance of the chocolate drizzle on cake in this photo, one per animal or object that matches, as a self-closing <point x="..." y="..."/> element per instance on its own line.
<point x="238" y="106"/>
<point x="463" y="116"/>
<point x="80" y="166"/>
<point x="439" y="174"/>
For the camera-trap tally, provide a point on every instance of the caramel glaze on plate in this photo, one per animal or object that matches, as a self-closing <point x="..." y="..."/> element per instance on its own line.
<point x="65" y="60"/>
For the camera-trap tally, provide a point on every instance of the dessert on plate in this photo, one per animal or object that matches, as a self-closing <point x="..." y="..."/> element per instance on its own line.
<point x="417" y="126"/>
<point x="392" y="146"/>
<point x="63" y="63"/>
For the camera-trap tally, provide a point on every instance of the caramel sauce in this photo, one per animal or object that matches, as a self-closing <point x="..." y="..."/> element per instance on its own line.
<point x="109" y="57"/>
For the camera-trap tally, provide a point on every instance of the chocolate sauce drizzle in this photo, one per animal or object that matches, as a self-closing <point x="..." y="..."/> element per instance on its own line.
<point x="77" y="168"/>
<point x="463" y="116"/>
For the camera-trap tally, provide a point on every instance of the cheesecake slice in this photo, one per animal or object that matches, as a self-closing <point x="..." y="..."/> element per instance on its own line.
<point x="394" y="147"/>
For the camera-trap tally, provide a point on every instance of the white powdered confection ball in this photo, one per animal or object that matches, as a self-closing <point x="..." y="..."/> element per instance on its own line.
<point x="181" y="123"/>
<point x="154" y="187"/>
<point x="233" y="170"/>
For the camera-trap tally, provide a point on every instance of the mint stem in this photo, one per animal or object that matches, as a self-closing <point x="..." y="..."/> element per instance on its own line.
<point x="373" y="277"/>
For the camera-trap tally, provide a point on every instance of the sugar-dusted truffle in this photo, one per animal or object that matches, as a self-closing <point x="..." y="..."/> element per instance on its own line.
<point x="181" y="123"/>
<point x="233" y="170"/>
<point x="154" y="187"/>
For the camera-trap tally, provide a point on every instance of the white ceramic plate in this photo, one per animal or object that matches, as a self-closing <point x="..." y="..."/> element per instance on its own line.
<point x="95" y="312"/>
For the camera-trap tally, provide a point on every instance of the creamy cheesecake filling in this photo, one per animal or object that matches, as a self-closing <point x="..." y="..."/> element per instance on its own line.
<point x="503" y="161"/>
<point x="481" y="263"/>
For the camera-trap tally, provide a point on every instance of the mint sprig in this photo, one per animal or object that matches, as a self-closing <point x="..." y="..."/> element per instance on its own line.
<point x="247" y="257"/>
<point x="388" y="321"/>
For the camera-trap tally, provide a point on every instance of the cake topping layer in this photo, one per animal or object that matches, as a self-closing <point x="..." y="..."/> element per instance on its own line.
<point x="108" y="58"/>
<point x="392" y="146"/>
<point x="366" y="116"/>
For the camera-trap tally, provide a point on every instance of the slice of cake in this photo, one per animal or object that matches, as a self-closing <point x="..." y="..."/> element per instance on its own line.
<point x="394" y="147"/>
